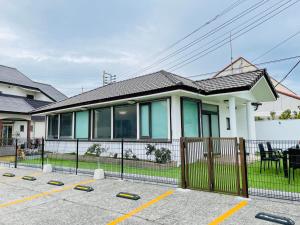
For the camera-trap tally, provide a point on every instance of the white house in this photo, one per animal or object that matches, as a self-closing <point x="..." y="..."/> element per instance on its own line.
<point x="19" y="95"/>
<point x="161" y="106"/>
<point x="287" y="98"/>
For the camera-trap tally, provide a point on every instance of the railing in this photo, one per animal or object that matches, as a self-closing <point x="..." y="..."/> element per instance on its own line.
<point x="141" y="160"/>
<point x="273" y="171"/>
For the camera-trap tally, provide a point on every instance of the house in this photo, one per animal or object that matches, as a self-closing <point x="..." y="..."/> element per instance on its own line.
<point x="161" y="106"/>
<point x="287" y="98"/>
<point x="19" y="95"/>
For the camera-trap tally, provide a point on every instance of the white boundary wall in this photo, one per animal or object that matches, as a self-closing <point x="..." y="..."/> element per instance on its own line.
<point x="278" y="130"/>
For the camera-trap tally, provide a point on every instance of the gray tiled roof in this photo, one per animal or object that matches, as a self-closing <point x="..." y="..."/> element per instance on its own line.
<point x="242" y="80"/>
<point x="13" y="76"/>
<point x="17" y="104"/>
<point x="158" y="81"/>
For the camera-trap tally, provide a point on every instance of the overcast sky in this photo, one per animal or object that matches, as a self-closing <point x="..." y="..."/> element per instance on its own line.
<point x="69" y="43"/>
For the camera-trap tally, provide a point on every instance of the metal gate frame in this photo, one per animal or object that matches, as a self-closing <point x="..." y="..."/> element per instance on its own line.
<point x="239" y="162"/>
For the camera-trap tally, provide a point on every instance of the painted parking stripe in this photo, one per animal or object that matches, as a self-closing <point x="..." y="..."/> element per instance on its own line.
<point x="43" y="194"/>
<point x="141" y="208"/>
<point x="229" y="213"/>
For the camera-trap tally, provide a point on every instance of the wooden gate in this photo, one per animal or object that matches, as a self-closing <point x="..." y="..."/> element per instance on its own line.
<point x="214" y="164"/>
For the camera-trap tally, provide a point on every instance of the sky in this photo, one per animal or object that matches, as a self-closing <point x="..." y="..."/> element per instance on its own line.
<point x="69" y="43"/>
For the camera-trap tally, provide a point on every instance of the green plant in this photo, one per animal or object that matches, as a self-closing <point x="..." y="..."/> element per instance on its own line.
<point x="296" y="115"/>
<point x="150" y="149"/>
<point x="273" y="115"/>
<point x="129" y="154"/>
<point x="285" y="115"/>
<point x="258" y="118"/>
<point x="116" y="155"/>
<point x="95" y="149"/>
<point x="162" y="155"/>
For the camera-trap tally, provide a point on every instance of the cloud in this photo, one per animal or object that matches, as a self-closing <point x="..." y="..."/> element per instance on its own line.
<point x="7" y="35"/>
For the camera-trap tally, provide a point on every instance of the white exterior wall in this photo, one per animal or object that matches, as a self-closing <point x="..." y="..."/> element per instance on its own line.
<point x="16" y="129"/>
<point x="278" y="130"/>
<point x="283" y="103"/>
<point x="18" y="91"/>
<point x="176" y="117"/>
<point x="38" y="130"/>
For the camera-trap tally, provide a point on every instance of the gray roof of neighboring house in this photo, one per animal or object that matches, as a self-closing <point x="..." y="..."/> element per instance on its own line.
<point x="12" y="76"/>
<point x="18" y="104"/>
<point x="159" y="82"/>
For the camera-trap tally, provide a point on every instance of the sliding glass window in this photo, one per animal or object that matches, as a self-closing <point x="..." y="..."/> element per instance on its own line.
<point x="154" y="120"/>
<point x="210" y="120"/>
<point x="82" y="125"/>
<point x="190" y="114"/>
<point x="102" y="123"/>
<point x="66" y="125"/>
<point x="125" y="121"/>
<point x="53" y="126"/>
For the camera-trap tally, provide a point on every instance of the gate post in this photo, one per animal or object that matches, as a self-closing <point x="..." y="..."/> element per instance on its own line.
<point x="243" y="162"/>
<point x="210" y="164"/>
<point x="182" y="156"/>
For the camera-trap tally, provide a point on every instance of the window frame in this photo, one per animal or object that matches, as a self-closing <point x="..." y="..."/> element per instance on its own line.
<point x="199" y="110"/>
<point x="89" y="125"/>
<point x="113" y="125"/>
<point x="169" y="125"/>
<point x="59" y="126"/>
<point x="94" y="123"/>
<point x="209" y="113"/>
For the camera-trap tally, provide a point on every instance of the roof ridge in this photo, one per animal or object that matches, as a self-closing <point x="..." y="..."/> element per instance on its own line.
<point x="8" y="67"/>
<point x="212" y="78"/>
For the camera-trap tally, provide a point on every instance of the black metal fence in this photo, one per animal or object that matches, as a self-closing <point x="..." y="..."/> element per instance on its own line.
<point x="274" y="168"/>
<point x="140" y="160"/>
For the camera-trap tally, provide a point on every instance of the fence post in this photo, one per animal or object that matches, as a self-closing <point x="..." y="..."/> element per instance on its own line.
<point x="43" y="150"/>
<point x="122" y="159"/>
<point x="77" y="152"/>
<point x="16" y="153"/>
<point x="182" y="154"/>
<point x="210" y="164"/>
<point x="243" y="161"/>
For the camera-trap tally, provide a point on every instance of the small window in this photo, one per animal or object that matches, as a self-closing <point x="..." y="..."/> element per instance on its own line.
<point x="228" y="123"/>
<point x="82" y="125"/>
<point x="21" y="128"/>
<point x="66" y="125"/>
<point x="30" y="96"/>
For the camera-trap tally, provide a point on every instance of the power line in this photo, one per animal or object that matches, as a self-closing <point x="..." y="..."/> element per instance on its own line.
<point x="256" y="64"/>
<point x="206" y="35"/>
<point x="276" y="46"/>
<point x="222" y="13"/>
<point x="291" y="70"/>
<point x="220" y="44"/>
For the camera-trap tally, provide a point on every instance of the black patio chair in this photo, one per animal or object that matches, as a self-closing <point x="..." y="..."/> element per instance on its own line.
<point x="268" y="156"/>
<point x="294" y="161"/>
<point x="274" y="151"/>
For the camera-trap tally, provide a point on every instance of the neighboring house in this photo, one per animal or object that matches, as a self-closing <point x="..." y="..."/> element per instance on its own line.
<point x="19" y="95"/>
<point x="161" y="107"/>
<point x="287" y="98"/>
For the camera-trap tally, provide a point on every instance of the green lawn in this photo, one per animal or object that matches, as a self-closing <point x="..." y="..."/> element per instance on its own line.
<point x="173" y="172"/>
<point x="225" y="175"/>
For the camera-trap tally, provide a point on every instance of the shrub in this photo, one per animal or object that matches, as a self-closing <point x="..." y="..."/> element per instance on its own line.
<point x="116" y="155"/>
<point x="273" y="115"/>
<point x="162" y="155"/>
<point x="129" y="154"/>
<point x="287" y="114"/>
<point x="95" y="149"/>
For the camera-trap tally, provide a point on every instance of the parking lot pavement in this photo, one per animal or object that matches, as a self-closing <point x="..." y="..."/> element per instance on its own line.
<point x="37" y="203"/>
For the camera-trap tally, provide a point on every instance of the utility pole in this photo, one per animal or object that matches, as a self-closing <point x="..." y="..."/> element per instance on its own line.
<point x="108" y="78"/>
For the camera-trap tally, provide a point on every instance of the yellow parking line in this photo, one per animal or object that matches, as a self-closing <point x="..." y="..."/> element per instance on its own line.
<point x="43" y="194"/>
<point x="230" y="212"/>
<point x="140" y="208"/>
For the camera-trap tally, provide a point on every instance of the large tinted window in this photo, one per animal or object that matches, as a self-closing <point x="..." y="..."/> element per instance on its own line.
<point x="125" y="121"/>
<point x="190" y="111"/>
<point x="82" y="124"/>
<point x="66" y="125"/>
<point x="154" y="120"/>
<point x="53" y="127"/>
<point x="102" y="123"/>
<point x="159" y="120"/>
